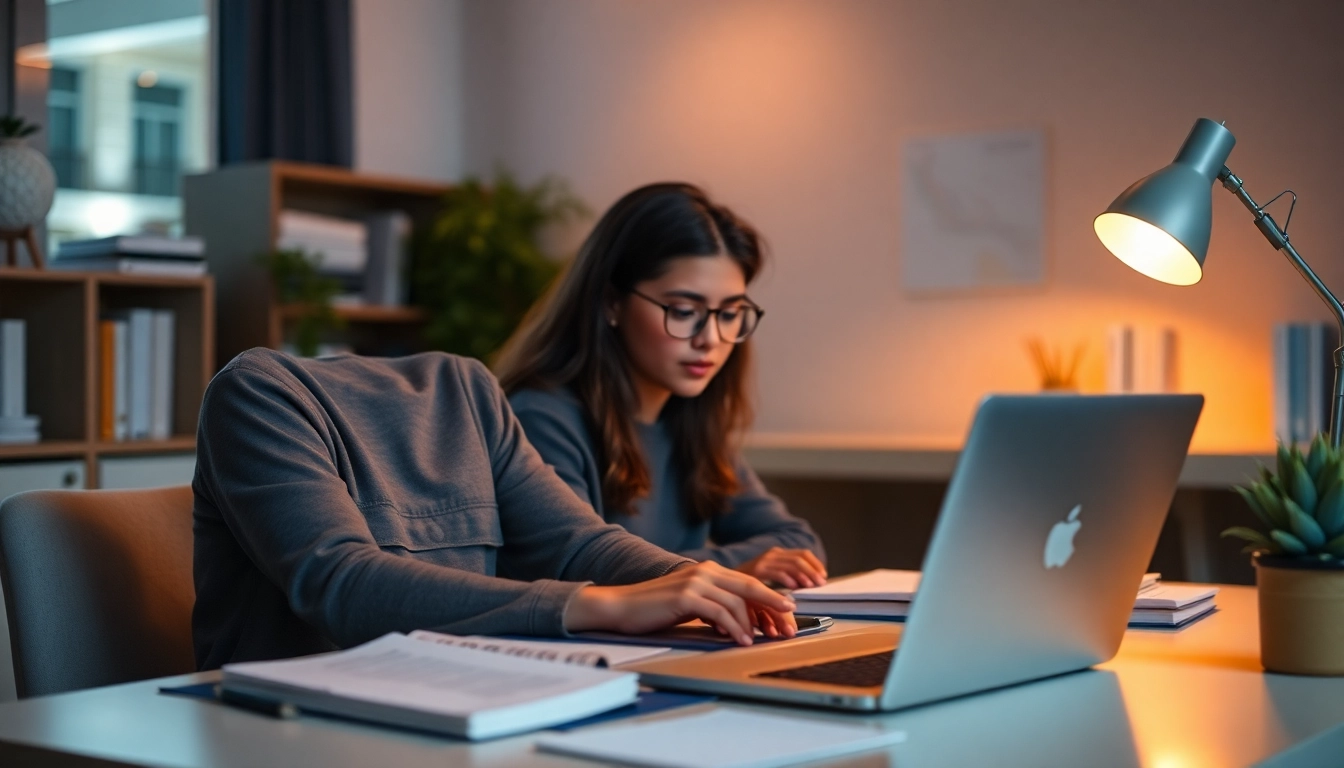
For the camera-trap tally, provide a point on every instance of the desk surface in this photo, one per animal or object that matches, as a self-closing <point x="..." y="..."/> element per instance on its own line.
<point x="852" y="457"/>
<point x="1187" y="699"/>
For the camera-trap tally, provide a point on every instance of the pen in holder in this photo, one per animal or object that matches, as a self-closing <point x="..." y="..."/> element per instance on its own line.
<point x="1056" y="374"/>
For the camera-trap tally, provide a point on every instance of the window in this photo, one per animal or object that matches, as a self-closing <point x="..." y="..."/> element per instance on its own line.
<point x="127" y="107"/>
<point x="158" y="128"/>
<point x="63" y="115"/>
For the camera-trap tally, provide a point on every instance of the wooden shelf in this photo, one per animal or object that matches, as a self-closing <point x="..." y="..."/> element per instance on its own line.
<point x="44" y="450"/>
<point x="62" y="309"/>
<point x="363" y="314"/>
<point x="237" y="209"/>
<point x="178" y="443"/>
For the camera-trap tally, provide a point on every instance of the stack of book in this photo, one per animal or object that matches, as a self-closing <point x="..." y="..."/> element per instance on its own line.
<point x="339" y="247"/>
<point x="16" y="424"/>
<point x="134" y="254"/>
<point x="136" y="367"/>
<point x="887" y="594"/>
<point x="369" y="258"/>
<point x="1303" y="379"/>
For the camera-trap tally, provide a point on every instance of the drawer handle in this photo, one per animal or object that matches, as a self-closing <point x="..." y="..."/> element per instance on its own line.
<point x="70" y="479"/>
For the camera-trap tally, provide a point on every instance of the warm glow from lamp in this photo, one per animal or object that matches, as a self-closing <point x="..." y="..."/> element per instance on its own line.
<point x="1147" y="249"/>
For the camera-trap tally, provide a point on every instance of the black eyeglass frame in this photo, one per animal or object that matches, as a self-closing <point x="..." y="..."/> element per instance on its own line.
<point x="700" y="326"/>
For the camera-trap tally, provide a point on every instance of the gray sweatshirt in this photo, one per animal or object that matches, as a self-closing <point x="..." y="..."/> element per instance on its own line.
<point x="753" y="522"/>
<point x="340" y="499"/>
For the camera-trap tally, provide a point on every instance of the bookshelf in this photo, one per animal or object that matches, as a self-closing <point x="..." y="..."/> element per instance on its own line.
<point x="236" y="209"/>
<point x="62" y="310"/>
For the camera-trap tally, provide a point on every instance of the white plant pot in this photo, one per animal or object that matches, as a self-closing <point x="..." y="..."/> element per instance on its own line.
<point x="27" y="185"/>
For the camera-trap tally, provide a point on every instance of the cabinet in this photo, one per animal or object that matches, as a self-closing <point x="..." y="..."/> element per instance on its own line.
<point x="62" y="310"/>
<point x="236" y="209"/>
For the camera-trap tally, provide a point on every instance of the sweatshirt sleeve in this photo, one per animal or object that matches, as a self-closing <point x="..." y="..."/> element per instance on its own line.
<point x="267" y="462"/>
<point x="755" y="521"/>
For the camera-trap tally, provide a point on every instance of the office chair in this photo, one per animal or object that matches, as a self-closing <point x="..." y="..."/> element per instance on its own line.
<point x="97" y="586"/>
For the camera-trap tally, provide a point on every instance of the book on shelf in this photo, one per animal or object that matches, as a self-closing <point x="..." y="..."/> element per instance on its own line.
<point x="888" y="594"/>
<point x="137" y="360"/>
<point x="389" y="234"/>
<point x="1141" y="359"/>
<point x="446" y="688"/>
<point x="144" y="246"/>
<point x="17" y="426"/>
<point x="135" y="265"/>
<point x="1303" y="379"/>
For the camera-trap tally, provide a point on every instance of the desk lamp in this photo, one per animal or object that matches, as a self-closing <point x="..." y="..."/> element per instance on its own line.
<point x="1160" y="227"/>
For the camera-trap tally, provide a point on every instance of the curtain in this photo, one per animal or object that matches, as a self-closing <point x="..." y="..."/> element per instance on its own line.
<point x="285" y="86"/>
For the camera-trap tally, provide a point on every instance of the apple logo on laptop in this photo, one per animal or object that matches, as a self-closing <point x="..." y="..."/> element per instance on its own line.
<point x="1059" y="546"/>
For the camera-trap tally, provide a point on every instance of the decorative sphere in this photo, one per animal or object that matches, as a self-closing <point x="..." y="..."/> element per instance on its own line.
<point x="27" y="185"/>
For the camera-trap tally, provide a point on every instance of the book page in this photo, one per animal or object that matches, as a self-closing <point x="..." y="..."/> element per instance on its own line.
<point x="564" y="651"/>
<point x="396" y="670"/>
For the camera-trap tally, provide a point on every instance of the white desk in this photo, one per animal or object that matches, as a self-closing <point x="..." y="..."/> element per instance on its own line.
<point x="1191" y="699"/>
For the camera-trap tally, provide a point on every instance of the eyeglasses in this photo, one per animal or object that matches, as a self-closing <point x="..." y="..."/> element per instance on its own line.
<point x="687" y="318"/>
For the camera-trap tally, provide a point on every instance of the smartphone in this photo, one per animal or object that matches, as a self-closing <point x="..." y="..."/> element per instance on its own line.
<point x="809" y="625"/>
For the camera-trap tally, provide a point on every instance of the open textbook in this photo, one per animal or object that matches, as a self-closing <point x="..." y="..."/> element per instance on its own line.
<point x="449" y="684"/>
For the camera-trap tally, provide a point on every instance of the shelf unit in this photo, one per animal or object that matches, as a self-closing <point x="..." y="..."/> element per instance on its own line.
<point x="236" y="209"/>
<point x="62" y="310"/>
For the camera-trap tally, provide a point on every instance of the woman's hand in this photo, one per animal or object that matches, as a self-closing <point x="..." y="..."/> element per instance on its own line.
<point x="793" y="568"/>
<point x="733" y="602"/>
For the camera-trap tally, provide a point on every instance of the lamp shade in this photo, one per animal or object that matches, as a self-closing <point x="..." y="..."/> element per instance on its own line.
<point x="1160" y="226"/>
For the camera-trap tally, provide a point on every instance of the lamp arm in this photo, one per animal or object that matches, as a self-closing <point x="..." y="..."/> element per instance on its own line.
<point x="1277" y="238"/>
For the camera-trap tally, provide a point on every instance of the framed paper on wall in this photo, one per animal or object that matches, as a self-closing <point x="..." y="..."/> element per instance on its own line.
<point x="974" y="212"/>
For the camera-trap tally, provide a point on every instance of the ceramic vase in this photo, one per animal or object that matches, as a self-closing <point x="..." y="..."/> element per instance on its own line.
<point x="27" y="185"/>
<point x="1301" y="615"/>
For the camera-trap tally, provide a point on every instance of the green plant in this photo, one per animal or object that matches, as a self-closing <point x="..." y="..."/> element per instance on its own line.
<point x="15" y="127"/>
<point x="297" y="282"/>
<point x="1301" y="507"/>
<point x="479" y="268"/>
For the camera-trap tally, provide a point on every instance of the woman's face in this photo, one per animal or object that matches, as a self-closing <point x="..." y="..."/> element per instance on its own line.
<point x="662" y="363"/>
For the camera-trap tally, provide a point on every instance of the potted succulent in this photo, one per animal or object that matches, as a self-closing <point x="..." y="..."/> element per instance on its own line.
<point x="1299" y="559"/>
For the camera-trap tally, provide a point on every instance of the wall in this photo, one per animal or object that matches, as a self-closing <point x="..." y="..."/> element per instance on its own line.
<point x="794" y="113"/>
<point x="408" y="85"/>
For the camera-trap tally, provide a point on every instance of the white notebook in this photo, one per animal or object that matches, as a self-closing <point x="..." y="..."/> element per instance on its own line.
<point x="398" y="680"/>
<point x="720" y="738"/>
<point x="885" y="584"/>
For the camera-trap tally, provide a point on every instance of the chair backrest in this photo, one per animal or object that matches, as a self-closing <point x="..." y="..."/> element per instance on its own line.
<point x="97" y="586"/>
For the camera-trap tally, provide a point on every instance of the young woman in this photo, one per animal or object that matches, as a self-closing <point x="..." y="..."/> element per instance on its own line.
<point x="630" y="380"/>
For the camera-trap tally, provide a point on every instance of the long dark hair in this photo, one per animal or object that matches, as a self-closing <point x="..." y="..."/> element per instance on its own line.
<point x="566" y="341"/>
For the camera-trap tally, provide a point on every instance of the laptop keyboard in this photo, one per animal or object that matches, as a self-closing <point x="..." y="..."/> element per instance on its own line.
<point x="859" y="671"/>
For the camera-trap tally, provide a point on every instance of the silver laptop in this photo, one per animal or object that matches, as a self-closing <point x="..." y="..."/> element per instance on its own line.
<point x="1049" y="521"/>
